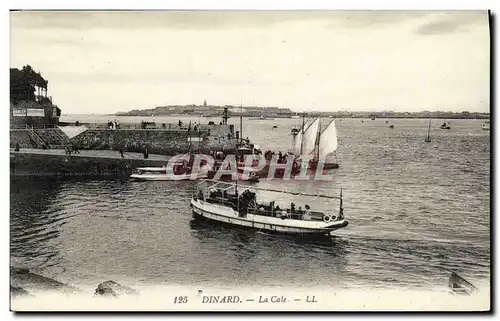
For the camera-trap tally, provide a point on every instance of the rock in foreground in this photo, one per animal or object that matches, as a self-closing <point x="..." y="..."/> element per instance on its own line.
<point x="18" y="292"/>
<point x="113" y="289"/>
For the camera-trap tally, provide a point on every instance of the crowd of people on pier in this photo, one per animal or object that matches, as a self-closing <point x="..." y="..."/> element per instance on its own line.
<point x="113" y="124"/>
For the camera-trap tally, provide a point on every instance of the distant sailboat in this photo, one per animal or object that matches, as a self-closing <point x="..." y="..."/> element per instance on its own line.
<point x="428" y="139"/>
<point x="445" y="125"/>
<point x="391" y="126"/>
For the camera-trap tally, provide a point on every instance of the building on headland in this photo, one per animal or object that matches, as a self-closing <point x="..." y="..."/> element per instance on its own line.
<point x="30" y="104"/>
<point x="34" y="123"/>
<point x="211" y="111"/>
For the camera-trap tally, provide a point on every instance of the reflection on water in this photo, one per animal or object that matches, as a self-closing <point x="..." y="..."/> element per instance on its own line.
<point x="35" y="223"/>
<point x="416" y="211"/>
<point x="277" y="259"/>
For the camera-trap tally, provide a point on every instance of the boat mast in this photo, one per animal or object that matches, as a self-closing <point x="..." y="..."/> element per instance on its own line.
<point x="429" y="131"/>
<point x="190" y="137"/>
<point x="302" y="137"/>
<point x="199" y="134"/>
<point x="241" y="121"/>
<point x="341" y="210"/>
<point x="199" y="140"/>
<point x="318" y="137"/>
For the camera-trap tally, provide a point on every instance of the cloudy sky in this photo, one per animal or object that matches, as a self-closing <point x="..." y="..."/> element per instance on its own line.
<point x="104" y="62"/>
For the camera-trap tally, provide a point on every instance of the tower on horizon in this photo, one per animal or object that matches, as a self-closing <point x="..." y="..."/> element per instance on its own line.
<point x="205" y="103"/>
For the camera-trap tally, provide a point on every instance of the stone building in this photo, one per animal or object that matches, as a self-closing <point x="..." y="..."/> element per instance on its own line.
<point x="30" y="104"/>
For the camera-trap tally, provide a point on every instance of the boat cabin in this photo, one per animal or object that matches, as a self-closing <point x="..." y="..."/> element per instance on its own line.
<point x="181" y="167"/>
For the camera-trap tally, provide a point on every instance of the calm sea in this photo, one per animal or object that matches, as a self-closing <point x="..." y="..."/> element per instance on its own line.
<point x="416" y="211"/>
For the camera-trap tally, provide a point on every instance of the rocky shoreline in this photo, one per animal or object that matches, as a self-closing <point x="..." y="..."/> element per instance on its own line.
<point x="24" y="283"/>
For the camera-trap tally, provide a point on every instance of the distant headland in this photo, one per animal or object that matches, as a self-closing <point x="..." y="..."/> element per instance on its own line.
<point x="276" y="112"/>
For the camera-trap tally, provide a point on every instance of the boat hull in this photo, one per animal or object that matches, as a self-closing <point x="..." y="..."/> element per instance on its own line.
<point x="459" y="285"/>
<point x="166" y="177"/>
<point x="228" y="178"/>
<point x="314" y="165"/>
<point x="228" y="216"/>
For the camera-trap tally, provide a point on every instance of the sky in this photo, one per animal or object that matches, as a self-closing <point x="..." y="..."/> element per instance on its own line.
<point x="105" y="62"/>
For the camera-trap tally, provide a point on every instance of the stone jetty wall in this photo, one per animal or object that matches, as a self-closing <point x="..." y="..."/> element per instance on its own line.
<point x="32" y="164"/>
<point x="158" y="141"/>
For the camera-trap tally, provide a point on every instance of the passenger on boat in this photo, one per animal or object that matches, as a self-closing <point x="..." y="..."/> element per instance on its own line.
<point x="307" y="214"/>
<point x="277" y="211"/>
<point x="200" y="195"/>
<point x="300" y="212"/>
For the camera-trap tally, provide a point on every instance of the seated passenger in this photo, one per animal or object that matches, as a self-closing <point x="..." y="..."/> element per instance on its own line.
<point x="307" y="214"/>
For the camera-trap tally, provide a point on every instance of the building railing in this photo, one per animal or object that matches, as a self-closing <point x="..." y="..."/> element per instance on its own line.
<point x="37" y="139"/>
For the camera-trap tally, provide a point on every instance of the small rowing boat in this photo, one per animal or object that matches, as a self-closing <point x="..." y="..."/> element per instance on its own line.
<point x="179" y="171"/>
<point x="458" y="285"/>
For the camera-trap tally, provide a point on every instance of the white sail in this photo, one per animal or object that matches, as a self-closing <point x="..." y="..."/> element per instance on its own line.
<point x="309" y="138"/>
<point x="328" y="141"/>
<point x="298" y="138"/>
<point x="297" y="142"/>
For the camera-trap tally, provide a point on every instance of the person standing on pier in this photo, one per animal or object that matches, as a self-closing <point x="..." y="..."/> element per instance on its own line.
<point x="17" y="147"/>
<point x="121" y="152"/>
<point x="146" y="154"/>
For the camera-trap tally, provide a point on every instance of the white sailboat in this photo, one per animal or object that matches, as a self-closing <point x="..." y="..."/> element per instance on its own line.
<point x="325" y="147"/>
<point x="322" y="143"/>
<point x="309" y="138"/>
<point x="297" y="137"/>
<point x="428" y="139"/>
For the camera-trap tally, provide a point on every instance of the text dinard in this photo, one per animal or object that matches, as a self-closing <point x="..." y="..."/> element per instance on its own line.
<point x="237" y="299"/>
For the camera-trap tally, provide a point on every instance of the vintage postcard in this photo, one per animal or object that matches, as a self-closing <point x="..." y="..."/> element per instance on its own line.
<point x="250" y="160"/>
